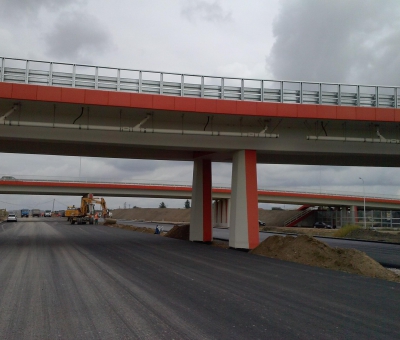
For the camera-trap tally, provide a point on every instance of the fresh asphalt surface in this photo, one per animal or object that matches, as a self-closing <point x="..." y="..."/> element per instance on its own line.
<point x="95" y="282"/>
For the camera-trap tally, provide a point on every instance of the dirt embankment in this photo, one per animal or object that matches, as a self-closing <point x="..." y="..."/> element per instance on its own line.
<point x="153" y="214"/>
<point x="308" y="250"/>
<point x="271" y="217"/>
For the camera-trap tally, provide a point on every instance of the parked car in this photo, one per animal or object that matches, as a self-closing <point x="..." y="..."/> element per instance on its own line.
<point x="323" y="225"/>
<point x="261" y="223"/>
<point x="11" y="217"/>
<point x="7" y="178"/>
<point x="47" y="213"/>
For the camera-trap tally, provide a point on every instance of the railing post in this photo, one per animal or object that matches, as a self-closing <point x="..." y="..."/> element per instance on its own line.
<point x="3" y="62"/>
<point x="358" y="95"/>
<point x="281" y="94"/>
<point x="27" y="72"/>
<point x="140" y="81"/>
<point x="222" y="88"/>
<point x="376" y="96"/>
<point x="301" y="92"/>
<point x="339" y="94"/>
<point x="320" y="94"/>
<point x="73" y="74"/>
<point x="161" y="82"/>
<point x="202" y="87"/>
<point x="118" y="80"/>
<point x="395" y="97"/>
<point x="262" y="91"/>
<point x="96" y="78"/>
<point x="182" y="85"/>
<point x="242" y="89"/>
<point x="51" y="74"/>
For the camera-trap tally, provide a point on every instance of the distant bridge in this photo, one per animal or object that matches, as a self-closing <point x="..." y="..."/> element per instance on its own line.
<point x="78" y="188"/>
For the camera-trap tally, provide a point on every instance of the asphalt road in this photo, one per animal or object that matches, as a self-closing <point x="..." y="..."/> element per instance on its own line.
<point x="96" y="282"/>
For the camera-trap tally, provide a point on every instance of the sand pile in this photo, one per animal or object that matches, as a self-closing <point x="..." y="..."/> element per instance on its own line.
<point x="179" y="232"/>
<point x="307" y="250"/>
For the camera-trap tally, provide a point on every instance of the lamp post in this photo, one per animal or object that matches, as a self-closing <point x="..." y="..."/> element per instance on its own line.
<point x="365" y="217"/>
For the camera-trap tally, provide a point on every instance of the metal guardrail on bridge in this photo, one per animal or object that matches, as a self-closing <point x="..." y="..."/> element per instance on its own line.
<point x="197" y="86"/>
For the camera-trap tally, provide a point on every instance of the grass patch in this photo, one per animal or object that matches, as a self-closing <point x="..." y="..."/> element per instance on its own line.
<point x="345" y="230"/>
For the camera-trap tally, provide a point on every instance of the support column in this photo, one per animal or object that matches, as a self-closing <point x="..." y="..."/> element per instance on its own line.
<point x="201" y="211"/>
<point x="353" y="214"/>
<point x="243" y="221"/>
<point x="221" y="213"/>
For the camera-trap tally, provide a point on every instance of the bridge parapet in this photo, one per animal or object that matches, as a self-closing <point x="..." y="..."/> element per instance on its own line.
<point x="196" y="86"/>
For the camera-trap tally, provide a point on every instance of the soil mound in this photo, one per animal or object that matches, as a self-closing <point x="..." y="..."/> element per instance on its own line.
<point x="307" y="250"/>
<point x="179" y="232"/>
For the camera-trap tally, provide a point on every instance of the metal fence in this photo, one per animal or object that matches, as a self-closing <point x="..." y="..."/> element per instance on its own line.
<point x="197" y="86"/>
<point x="374" y="218"/>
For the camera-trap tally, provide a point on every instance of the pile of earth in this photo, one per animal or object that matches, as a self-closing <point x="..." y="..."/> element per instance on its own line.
<point x="307" y="250"/>
<point x="179" y="232"/>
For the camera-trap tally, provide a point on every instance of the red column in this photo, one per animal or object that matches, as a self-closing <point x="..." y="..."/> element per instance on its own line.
<point x="201" y="211"/>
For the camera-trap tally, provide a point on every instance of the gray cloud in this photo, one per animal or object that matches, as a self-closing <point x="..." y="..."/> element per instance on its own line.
<point x="337" y="41"/>
<point x="78" y="37"/>
<point x="29" y="9"/>
<point x="205" y="10"/>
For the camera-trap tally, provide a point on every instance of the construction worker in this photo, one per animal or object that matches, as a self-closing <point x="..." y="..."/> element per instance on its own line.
<point x="96" y="218"/>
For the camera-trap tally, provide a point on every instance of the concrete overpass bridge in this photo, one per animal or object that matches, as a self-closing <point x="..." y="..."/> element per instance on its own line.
<point x="84" y="110"/>
<point x="115" y="189"/>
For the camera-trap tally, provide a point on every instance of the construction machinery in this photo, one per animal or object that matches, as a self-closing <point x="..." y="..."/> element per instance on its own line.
<point x="24" y="212"/>
<point x="85" y="214"/>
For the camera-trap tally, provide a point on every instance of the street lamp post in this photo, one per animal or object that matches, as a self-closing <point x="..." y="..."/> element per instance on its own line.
<point x="365" y="217"/>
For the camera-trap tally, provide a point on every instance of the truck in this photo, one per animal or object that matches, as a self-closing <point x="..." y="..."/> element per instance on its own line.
<point x="35" y="212"/>
<point x="85" y="213"/>
<point x="24" y="212"/>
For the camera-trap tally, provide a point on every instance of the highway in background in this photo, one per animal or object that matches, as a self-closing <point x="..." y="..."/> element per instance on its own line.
<point x="95" y="282"/>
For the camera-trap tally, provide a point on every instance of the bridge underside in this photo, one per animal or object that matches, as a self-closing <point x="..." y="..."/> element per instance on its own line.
<point x="90" y="130"/>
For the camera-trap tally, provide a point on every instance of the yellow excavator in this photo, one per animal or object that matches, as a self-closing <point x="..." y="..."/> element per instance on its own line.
<point x="85" y="214"/>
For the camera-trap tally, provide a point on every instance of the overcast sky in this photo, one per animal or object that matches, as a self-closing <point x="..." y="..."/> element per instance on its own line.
<point x="346" y="41"/>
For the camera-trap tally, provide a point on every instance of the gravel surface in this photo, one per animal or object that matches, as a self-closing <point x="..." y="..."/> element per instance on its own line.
<point x="96" y="282"/>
